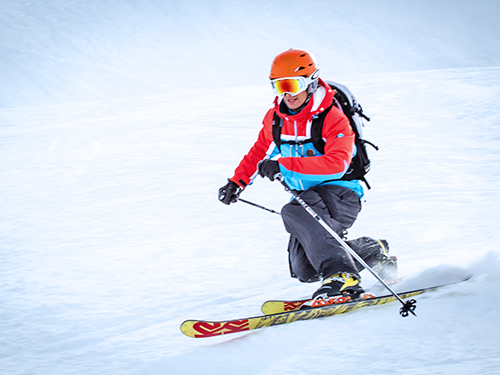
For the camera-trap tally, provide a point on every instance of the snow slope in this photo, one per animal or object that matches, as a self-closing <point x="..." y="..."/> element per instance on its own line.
<point x="56" y="51"/>
<point x="112" y="234"/>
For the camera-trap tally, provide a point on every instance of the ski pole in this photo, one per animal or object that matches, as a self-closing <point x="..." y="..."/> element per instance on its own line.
<point x="408" y="306"/>
<point x="258" y="206"/>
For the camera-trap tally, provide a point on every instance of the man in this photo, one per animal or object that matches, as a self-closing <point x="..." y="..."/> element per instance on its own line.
<point x="313" y="253"/>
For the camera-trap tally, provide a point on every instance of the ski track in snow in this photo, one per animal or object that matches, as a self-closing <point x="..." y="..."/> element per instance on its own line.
<point x="112" y="234"/>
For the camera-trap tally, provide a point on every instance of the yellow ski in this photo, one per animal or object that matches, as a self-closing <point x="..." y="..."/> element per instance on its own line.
<point x="201" y="328"/>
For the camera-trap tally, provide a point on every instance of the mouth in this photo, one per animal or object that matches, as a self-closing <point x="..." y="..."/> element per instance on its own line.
<point x="292" y="104"/>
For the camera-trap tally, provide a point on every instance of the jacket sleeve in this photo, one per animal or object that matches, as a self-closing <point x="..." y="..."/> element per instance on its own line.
<point x="339" y="147"/>
<point x="262" y="149"/>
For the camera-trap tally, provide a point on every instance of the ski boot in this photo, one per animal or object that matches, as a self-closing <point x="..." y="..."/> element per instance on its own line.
<point x="335" y="289"/>
<point x="376" y="254"/>
<point x="386" y="266"/>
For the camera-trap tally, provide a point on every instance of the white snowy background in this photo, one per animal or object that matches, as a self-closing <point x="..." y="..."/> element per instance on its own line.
<point x="119" y="121"/>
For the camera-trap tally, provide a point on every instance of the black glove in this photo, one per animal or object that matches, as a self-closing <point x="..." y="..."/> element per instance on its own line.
<point x="229" y="193"/>
<point x="269" y="168"/>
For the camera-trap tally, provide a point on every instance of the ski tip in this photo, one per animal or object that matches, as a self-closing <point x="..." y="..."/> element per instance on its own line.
<point x="201" y="328"/>
<point x="187" y="328"/>
<point x="276" y="306"/>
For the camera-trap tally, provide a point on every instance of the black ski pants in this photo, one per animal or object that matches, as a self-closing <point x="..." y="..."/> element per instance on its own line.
<point x="313" y="252"/>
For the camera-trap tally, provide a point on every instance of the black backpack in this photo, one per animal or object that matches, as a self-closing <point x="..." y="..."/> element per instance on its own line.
<point x="345" y="101"/>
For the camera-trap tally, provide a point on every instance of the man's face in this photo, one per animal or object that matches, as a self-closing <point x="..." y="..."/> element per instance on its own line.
<point x="294" y="102"/>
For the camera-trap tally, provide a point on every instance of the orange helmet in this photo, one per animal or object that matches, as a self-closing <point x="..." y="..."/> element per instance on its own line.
<point x="293" y="63"/>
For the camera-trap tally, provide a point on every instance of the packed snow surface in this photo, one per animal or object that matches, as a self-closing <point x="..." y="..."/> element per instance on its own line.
<point x="111" y="231"/>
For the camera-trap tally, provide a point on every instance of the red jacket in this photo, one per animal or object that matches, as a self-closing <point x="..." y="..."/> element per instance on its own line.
<point x="299" y="170"/>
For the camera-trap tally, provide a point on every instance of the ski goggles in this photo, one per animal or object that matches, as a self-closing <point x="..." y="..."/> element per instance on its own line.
<point x="292" y="85"/>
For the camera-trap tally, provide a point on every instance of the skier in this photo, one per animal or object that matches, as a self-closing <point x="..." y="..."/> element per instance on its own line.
<point x="314" y="254"/>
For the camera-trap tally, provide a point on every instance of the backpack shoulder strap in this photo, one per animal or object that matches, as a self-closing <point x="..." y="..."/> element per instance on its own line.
<point x="317" y="130"/>
<point x="277" y="124"/>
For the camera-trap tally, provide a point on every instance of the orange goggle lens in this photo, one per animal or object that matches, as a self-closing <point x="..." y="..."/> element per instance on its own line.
<point x="293" y="86"/>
